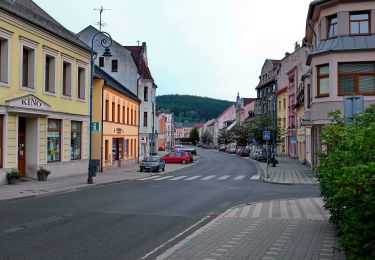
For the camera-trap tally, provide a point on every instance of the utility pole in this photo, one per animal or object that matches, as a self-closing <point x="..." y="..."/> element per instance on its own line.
<point x="100" y="23"/>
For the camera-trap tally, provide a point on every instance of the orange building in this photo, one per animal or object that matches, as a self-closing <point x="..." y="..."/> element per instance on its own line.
<point x="115" y="122"/>
<point x="162" y="127"/>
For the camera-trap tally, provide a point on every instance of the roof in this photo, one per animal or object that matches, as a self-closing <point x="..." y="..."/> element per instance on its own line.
<point x="282" y="90"/>
<point x="32" y="13"/>
<point x="184" y="125"/>
<point x="344" y="43"/>
<point x="225" y="111"/>
<point x="276" y="62"/>
<point x="247" y="101"/>
<point x="143" y="69"/>
<point x="115" y="84"/>
<point x="312" y="6"/>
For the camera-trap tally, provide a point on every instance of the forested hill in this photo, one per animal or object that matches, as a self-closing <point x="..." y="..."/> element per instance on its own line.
<point x="188" y="108"/>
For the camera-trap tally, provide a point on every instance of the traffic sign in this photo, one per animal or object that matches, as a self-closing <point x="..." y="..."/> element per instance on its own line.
<point x="266" y="135"/>
<point x="95" y="127"/>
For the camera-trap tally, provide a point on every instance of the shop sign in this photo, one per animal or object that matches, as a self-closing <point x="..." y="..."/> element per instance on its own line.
<point x="29" y="101"/>
<point x="53" y="134"/>
<point x="118" y="130"/>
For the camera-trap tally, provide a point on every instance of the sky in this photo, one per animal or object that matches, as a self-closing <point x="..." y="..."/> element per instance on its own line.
<point x="213" y="48"/>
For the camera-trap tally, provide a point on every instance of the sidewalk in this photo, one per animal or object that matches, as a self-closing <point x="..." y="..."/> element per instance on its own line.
<point x="287" y="171"/>
<point x="278" y="229"/>
<point x="33" y="188"/>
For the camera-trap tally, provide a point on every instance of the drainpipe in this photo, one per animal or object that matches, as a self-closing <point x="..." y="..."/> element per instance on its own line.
<point x="139" y="117"/>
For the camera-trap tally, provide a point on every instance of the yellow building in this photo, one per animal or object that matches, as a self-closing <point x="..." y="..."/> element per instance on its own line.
<point x="282" y="117"/>
<point x="44" y="87"/>
<point x="116" y="110"/>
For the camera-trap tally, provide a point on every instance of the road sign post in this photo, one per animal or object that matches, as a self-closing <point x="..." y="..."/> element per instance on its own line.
<point x="267" y="137"/>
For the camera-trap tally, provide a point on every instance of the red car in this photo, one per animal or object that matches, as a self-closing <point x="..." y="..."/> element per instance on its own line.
<point x="177" y="157"/>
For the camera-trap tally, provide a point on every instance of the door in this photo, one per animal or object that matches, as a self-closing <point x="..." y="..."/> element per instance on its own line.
<point x="22" y="146"/>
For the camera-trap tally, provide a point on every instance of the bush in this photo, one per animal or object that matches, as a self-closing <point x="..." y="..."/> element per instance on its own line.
<point x="13" y="174"/>
<point x="44" y="171"/>
<point x="346" y="173"/>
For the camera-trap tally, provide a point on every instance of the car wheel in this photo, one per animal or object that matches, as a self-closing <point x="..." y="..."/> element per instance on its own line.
<point x="141" y="170"/>
<point x="163" y="169"/>
<point x="157" y="169"/>
<point x="183" y="162"/>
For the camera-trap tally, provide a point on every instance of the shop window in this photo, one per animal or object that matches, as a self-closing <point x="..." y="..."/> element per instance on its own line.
<point x="1" y="140"/>
<point x="75" y="141"/>
<point x="323" y="80"/>
<point x="144" y="118"/>
<point x="4" y="62"/>
<point x="356" y="78"/>
<point x="67" y="79"/>
<point x="126" y="147"/>
<point x="113" y="112"/>
<point x="359" y="23"/>
<point x="107" y="110"/>
<point x="118" y="113"/>
<point x="106" y="151"/>
<point x="54" y="140"/>
<point x="28" y="67"/>
<point x="114" y="65"/>
<point x="49" y="74"/>
<point x="81" y="82"/>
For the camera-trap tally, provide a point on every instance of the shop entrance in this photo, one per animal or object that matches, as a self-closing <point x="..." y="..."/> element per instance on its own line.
<point x="117" y="144"/>
<point x="22" y="146"/>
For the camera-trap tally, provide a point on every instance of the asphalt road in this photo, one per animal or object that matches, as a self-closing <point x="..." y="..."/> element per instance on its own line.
<point x="131" y="219"/>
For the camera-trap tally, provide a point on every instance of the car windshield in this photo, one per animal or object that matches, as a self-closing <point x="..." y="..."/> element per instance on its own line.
<point x="151" y="159"/>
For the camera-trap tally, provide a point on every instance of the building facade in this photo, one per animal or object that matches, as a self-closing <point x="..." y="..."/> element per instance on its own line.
<point x="341" y="36"/>
<point x="116" y="109"/>
<point x="282" y="118"/>
<point x="161" y="130"/>
<point x="44" y="101"/>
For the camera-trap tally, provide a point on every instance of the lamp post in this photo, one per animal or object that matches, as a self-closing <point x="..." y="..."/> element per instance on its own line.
<point x="107" y="54"/>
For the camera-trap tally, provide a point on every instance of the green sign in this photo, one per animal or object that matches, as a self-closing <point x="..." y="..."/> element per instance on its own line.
<point x="95" y="127"/>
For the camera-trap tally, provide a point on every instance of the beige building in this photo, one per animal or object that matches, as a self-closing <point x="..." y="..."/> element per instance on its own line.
<point x="282" y="118"/>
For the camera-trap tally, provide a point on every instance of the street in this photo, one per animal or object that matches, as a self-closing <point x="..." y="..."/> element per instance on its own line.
<point x="130" y="220"/>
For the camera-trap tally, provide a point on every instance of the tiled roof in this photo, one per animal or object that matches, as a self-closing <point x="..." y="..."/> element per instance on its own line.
<point x="115" y="84"/>
<point x="143" y="69"/>
<point x="344" y="43"/>
<point x="32" y="13"/>
<point x="247" y="101"/>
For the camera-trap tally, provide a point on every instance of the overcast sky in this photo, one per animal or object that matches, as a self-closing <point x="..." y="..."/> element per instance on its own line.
<point x="212" y="48"/>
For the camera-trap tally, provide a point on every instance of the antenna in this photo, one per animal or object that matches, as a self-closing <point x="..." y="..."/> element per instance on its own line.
<point x="100" y="23"/>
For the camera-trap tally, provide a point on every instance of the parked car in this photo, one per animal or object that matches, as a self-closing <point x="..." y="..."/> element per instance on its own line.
<point x="238" y="151"/>
<point x="231" y="150"/>
<point x="191" y="156"/>
<point x="152" y="163"/>
<point x="255" y="153"/>
<point x="245" y="152"/>
<point x="222" y="148"/>
<point x="189" y="149"/>
<point x="177" y="157"/>
<point x="262" y="156"/>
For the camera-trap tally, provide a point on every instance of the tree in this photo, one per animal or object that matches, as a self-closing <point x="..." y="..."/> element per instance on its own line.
<point x="241" y="135"/>
<point x="224" y="137"/>
<point x="255" y="129"/>
<point x="207" y="137"/>
<point x="194" y="136"/>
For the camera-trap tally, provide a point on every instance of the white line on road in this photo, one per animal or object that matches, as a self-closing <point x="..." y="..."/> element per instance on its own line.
<point x="208" y="177"/>
<point x="150" y="178"/>
<point x="255" y="177"/>
<point x="193" y="178"/>
<point x="224" y="177"/>
<point x="163" y="178"/>
<point x="177" y="178"/>
<point x="239" y="177"/>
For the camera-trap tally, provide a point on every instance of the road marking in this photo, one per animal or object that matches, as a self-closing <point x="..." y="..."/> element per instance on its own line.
<point x="258" y="207"/>
<point x="163" y="178"/>
<point x="177" y="178"/>
<point x="255" y="177"/>
<point x="150" y="178"/>
<point x="239" y="177"/>
<point x="224" y="177"/>
<point x="193" y="178"/>
<point x="208" y="177"/>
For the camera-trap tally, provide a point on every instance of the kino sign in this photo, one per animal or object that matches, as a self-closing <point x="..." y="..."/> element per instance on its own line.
<point x="29" y="101"/>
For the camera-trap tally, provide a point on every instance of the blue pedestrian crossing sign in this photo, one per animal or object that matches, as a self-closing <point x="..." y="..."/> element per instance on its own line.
<point x="266" y="135"/>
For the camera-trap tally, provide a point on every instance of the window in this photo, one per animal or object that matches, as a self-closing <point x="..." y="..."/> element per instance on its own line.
<point x="113" y="112"/>
<point x="28" y="59"/>
<point x="1" y="140"/>
<point x="135" y="117"/>
<point x="101" y="62"/>
<point x="359" y="23"/>
<point x="131" y="117"/>
<point x="279" y="105"/>
<point x="127" y="116"/>
<point x="107" y="110"/>
<point x="308" y="104"/>
<point x="49" y="74"/>
<point x="118" y="113"/>
<point x="332" y="26"/>
<point x="67" y="79"/>
<point x="106" y="152"/>
<point x="144" y="118"/>
<point x="323" y="80"/>
<point x="356" y="78"/>
<point x="145" y="93"/>
<point x="284" y="103"/>
<point x="114" y="65"/>
<point x="4" y="64"/>
<point x="54" y="140"/>
<point x="81" y="82"/>
<point x="126" y="147"/>
<point x="75" y="141"/>
<point x="123" y="114"/>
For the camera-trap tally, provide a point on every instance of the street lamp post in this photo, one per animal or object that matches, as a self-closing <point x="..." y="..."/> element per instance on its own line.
<point x="107" y="54"/>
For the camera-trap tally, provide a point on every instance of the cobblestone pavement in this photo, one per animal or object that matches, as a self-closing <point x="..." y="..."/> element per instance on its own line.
<point x="287" y="171"/>
<point x="33" y="188"/>
<point x="279" y="229"/>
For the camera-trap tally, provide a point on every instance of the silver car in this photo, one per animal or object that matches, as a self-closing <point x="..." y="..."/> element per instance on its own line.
<point x="152" y="163"/>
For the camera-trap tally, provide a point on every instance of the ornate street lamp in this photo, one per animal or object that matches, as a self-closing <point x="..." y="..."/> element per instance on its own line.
<point x="106" y="54"/>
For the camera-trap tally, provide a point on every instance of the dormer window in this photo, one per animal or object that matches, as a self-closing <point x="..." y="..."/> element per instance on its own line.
<point x="359" y="23"/>
<point x="332" y="26"/>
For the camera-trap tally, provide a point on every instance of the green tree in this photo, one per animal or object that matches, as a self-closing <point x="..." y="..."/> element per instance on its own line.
<point x="207" y="137"/>
<point x="346" y="172"/>
<point x="255" y="129"/>
<point x="224" y="137"/>
<point x="241" y="135"/>
<point x="194" y="136"/>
